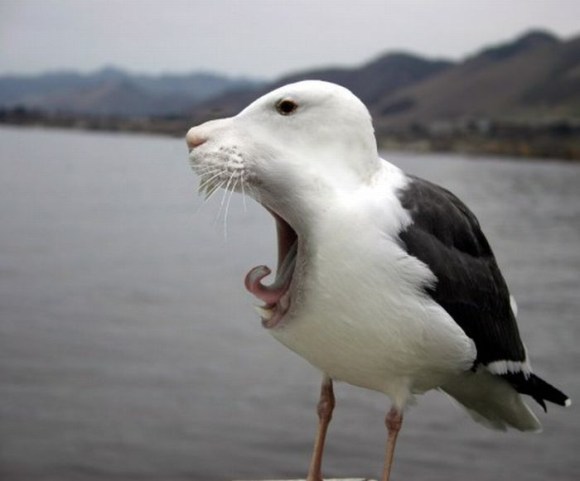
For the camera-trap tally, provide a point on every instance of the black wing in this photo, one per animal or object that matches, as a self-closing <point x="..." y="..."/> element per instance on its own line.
<point x="446" y="236"/>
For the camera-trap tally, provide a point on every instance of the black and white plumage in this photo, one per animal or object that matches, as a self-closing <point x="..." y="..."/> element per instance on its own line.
<point x="446" y="236"/>
<point x="384" y="280"/>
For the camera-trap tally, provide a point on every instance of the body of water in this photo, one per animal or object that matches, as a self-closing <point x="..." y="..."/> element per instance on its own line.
<point x="129" y="349"/>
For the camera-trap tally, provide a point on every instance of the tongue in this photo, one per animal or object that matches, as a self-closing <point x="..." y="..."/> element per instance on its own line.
<point x="271" y="294"/>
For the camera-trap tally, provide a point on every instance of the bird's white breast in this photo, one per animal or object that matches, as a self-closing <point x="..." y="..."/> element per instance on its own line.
<point x="363" y="317"/>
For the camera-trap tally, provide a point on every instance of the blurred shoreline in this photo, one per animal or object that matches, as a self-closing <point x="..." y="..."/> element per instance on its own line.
<point x="556" y="139"/>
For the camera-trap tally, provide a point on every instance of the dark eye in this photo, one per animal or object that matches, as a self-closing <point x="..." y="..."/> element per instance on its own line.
<point x="286" y="106"/>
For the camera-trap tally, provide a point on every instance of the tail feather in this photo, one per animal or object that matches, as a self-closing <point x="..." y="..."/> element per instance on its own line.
<point x="537" y="388"/>
<point x="495" y="400"/>
<point x="492" y="401"/>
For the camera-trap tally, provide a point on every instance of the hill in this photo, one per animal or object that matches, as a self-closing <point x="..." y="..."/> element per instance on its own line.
<point x="112" y="91"/>
<point x="517" y="98"/>
<point x="520" y="97"/>
<point x="534" y="78"/>
<point x="370" y="82"/>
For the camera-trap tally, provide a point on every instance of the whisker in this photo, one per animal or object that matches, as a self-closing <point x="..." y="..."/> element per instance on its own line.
<point x="211" y="184"/>
<point x="207" y="171"/>
<point x="199" y="170"/>
<point x="202" y="173"/>
<point x="214" y="178"/>
<point x="210" y="169"/>
<point x="226" y="189"/>
<point x="211" y="190"/>
<point x="214" y="189"/>
<point x="232" y="190"/>
<point x="243" y="195"/>
<point x="224" y="192"/>
<point x="205" y="183"/>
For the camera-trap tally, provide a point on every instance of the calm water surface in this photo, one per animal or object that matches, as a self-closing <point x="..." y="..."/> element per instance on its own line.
<point x="129" y="349"/>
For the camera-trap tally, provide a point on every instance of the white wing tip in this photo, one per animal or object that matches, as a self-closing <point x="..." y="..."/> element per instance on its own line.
<point x="505" y="367"/>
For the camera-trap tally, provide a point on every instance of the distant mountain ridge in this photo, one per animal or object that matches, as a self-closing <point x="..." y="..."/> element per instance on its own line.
<point x="371" y="81"/>
<point x="533" y="78"/>
<point x="112" y="91"/>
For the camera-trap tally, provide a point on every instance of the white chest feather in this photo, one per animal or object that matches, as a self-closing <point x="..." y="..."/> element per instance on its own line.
<point x="362" y="316"/>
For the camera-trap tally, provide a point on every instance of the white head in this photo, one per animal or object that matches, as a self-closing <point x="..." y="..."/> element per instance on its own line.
<point x="292" y="148"/>
<point x="297" y="150"/>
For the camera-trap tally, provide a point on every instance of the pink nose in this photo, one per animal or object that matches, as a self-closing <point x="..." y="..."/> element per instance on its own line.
<point x="194" y="138"/>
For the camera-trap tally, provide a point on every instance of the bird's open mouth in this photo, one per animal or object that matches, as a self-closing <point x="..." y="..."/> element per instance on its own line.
<point x="276" y="296"/>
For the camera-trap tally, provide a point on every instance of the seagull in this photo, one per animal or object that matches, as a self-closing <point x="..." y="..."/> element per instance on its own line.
<point x="384" y="280"/>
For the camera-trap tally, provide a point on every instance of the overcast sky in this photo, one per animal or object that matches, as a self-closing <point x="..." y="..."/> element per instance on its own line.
<point x="258" y="38"/>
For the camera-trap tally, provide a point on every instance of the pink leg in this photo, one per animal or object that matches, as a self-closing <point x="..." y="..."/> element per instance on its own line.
<point x="393" y="421"/>
<point x="325" y="408"/>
